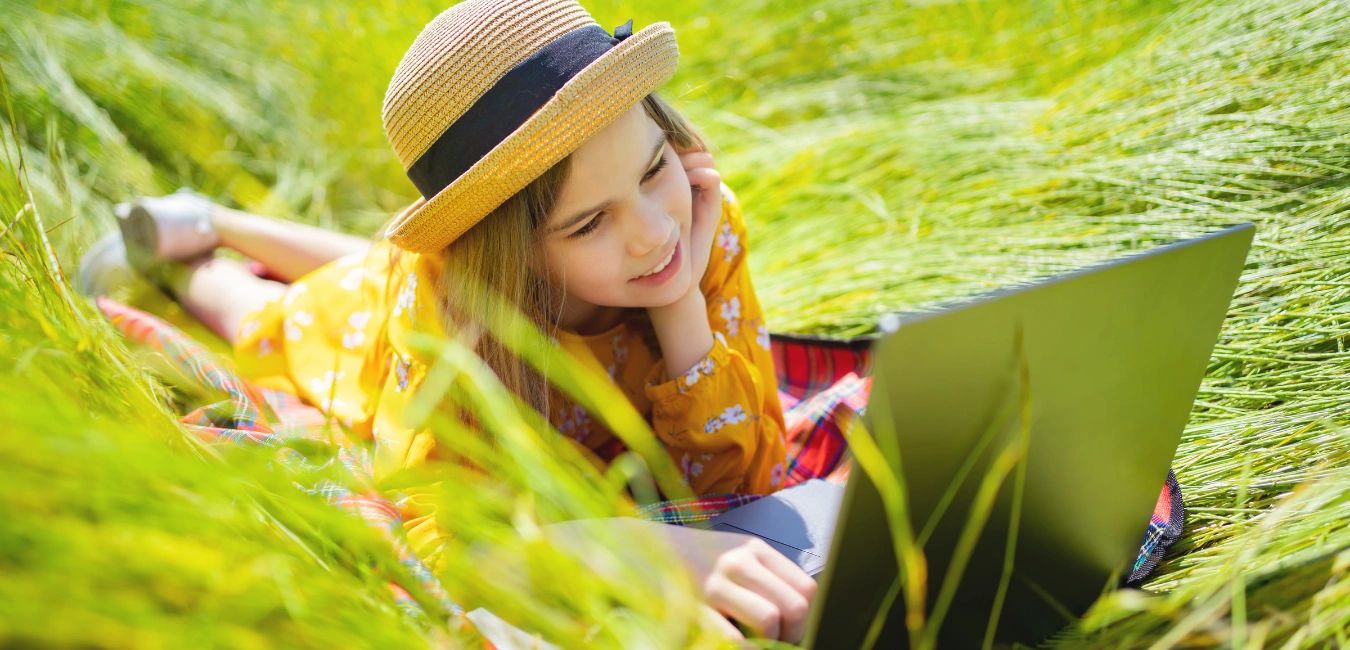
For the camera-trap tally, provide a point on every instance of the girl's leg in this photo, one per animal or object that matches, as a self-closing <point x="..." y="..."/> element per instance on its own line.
<point x="220" y="292"/>
<point x="288" y="249"/>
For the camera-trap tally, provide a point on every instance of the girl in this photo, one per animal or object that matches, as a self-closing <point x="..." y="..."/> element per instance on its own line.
<point x="551" y="173"/>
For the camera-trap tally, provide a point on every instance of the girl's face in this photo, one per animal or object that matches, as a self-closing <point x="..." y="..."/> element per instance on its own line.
<point x="622" y="213"/>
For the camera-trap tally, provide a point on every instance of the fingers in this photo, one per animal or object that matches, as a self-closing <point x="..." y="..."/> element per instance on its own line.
<point x="751" y="584"/>
<point x="744" y="578"/>
<point x="696" y="159"/>
<point x="720" y="623"/>
<point x="704" y="179"/>
<point x="707" y="185"/>
<point x="746" y="606"/>
<point x="787" y="570"/>
<point x="791" y="607"/>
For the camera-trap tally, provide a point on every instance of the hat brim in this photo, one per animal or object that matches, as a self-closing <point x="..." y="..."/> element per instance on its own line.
<point x="592" y="100"/>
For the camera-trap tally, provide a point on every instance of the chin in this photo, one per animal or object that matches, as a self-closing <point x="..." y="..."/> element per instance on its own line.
<point x="667" y="294"/>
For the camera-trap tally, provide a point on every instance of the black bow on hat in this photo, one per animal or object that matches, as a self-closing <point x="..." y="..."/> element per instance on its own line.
<point x="623" y="31"/>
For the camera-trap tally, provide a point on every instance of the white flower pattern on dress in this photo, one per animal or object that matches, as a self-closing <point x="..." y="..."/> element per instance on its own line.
<point x="328" y="403"/>
<point x="729" y="242"/>
<point x="248" y="329"/>
<point x="324" y="386"/>
<point x="352" y="281"/>
<point x="762" y="337"/>
<point x="731" y="313"/>
<point x="690" y="468"/>
<point x="575" y="423"/>
<point x="702" y="368"/>
<point x="776" y="475"/>
<point x="407" y="296"/>
<point x="264" y="347"/>
<point x="354" y="338"/>
<point x="401" y="367"/>
<point x="293" y="324"/>
<point x="296" y="290"/>
<point x="734" y="414"/>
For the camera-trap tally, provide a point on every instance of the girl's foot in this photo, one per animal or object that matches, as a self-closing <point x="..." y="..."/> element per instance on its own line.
<point x="104" y="267"/>
<point x="176" y="227"/>
<point x="106" y="270"/>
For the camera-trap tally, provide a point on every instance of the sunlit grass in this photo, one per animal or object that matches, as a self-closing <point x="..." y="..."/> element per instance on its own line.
<point x="925" y="152"/>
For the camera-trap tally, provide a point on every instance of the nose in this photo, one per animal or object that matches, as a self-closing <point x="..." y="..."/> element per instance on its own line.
<point x="648" y="230"/>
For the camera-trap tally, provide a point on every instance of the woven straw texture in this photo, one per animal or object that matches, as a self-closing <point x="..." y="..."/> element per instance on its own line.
<point x="459" y="56"/>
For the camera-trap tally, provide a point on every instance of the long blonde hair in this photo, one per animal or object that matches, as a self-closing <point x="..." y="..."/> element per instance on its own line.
<point x="493" y="258"/>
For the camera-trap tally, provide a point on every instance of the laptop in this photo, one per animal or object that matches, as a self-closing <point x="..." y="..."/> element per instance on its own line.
<point x="1104" y="362"/>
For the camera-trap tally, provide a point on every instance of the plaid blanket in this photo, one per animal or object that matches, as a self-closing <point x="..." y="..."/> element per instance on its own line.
<point x="822" y="384"/>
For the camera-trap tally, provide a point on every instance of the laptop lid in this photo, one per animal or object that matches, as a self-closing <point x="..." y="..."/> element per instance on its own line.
<point x="1113" y="357"/>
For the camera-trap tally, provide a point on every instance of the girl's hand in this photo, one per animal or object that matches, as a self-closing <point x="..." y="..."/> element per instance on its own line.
<point x="744" y="578"/>
<point x="706" y="185"/>
<point x="681" y="327"/>
<point x="741" y="577"/>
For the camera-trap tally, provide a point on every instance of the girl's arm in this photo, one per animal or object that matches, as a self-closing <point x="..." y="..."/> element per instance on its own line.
<point x="288" y="249"/>
<point x="719" y="418"/>
<point x="682" y="328"/>
<point x="683" y="332"/>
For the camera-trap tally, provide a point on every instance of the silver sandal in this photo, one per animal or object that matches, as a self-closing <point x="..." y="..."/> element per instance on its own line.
<point x="173" y="228"/>
<point x="104" y="267"/>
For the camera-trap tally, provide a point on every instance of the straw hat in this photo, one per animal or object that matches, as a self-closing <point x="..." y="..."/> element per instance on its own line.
<point x="495" y="92"/>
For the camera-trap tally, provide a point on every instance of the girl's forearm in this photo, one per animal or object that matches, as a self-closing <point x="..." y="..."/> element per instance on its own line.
<point x="288" y="249"/>
<point x="683" y="332"/>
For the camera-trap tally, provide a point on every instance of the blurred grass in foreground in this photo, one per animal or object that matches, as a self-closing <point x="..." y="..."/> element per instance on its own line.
<point x="925" y="152"/>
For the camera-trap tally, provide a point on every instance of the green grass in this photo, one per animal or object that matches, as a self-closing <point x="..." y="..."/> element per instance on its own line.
<point x="926" y="153"/>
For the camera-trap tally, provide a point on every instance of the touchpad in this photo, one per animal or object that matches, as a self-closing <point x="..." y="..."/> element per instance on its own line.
<point x="808" y="561"/>
<point x="798" y="521"/>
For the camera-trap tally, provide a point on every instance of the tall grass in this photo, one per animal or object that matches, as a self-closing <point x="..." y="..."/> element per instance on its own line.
<point x="926" y="152"/>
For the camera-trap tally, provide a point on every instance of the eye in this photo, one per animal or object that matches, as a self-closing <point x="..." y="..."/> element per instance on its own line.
<point x="595" y="223"/>
<point x="588" y="228"/>
<point x="655" y="170"/>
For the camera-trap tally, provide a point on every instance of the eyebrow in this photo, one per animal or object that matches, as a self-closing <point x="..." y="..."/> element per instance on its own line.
<point x="576" y="218"/>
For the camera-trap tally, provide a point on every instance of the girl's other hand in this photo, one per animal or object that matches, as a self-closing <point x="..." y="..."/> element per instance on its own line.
<point x="744" y="578"/>
<point x="681" y="327"/>
<point x="706" y="184"/>
<point x="740" y="576"/>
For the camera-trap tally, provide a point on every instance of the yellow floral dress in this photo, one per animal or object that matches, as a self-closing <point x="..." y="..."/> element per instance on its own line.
<point x="338" y="339"/>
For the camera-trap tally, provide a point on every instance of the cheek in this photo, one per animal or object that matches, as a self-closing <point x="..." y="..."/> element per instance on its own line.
<point x="676" y="195"/>
<point x="582" y="271"/>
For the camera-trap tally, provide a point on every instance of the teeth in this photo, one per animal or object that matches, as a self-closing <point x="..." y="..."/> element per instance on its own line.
<point x="662" y="266"/>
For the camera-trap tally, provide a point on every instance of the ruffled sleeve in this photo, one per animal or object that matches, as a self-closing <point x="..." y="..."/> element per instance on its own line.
<point x="410" y="310"/>
<point x="398" y="443"/>
<point x="722" y="421"/>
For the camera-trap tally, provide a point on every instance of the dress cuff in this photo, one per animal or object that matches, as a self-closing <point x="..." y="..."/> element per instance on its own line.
<point x="659" y="391"/>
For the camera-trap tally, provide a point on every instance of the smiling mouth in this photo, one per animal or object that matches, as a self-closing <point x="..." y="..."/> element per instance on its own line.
<point x="661" y="266"/>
